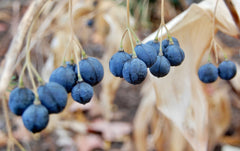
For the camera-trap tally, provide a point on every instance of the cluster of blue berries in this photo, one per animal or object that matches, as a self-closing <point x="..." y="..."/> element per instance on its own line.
<point x="52" y="97"/>
<point x="35" y="113"/>
<point x="209" y="73"/>
<point x="133" y="68"/>
<point x="91" y="73"/>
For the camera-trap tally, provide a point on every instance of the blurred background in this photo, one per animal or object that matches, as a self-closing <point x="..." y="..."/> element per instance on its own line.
<point x="175" y="113"/>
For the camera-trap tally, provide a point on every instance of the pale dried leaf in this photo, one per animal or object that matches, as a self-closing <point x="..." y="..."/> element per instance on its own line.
<point x="180" y="95"/>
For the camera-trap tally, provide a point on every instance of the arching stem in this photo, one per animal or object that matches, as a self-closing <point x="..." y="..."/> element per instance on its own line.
<point x="123" y="36"/>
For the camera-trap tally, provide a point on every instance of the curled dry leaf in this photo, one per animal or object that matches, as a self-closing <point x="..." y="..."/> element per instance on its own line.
<point x="180" y="96"/>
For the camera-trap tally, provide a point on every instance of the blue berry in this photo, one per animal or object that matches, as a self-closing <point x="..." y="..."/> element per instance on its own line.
<point x="64" y="76"/>
<point x="227" y="70"/>
<point x="155" y="45"/>
<point x="146" y="53"/>
<point x="71" y="65"/>
<point x="82" y="92"/>
<point x="161" y="67"/>
<point x="165" y="43"/>
<point x="174" y="54"/>
<point x="20" y="99"/>
<point x="134" y="71"/>
<point x="117" y="61"/>
<point x="208" y="73"/>
<point x="91" y="70"/>
<point x="35" y="118"/>
<point x="53" y="96"/>
<point x="90" y="23"/>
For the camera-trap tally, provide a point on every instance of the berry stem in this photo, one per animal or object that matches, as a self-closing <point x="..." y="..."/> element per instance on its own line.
<point x="73" y="37"/>
<point x="169" y="35"/>
<point x="36" y="74"/>
<point x="123" y="36"/>
<point x="28" y="60"/>
<point x="160" y="44"/>
<point x="129" y="31"/>
<point x="65" y="51"/>
<point x="83" y="53"/>
<point x="162" y="24"/>
<point x="135" y="36"/>
<point x="28" y="50"/>
<point x="31" y="77"/>
<point x="77" y="59"/>
<point x="20" y="82"/>
<point x="214" y="45"/>
<point x="133" y="51"/>
<point x="128" y="24"/>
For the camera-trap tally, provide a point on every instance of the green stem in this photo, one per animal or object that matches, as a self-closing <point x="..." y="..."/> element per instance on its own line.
<point x="135" y="36"/>
<point x="123" y="36"/>
<point x="65" y="51"/>
<point x="20" y="82"/>
<point x="169" y="35"/>
<point x="133" y="51"/>
<point x="36" y="74"/>
<point x="73" y="36"/>
<point x="160" y="43"/>
<point x="32" y="78"/>
<point x="76" y="56"/>
<point x="83" y="53"/>
<point x="28" y="50"/>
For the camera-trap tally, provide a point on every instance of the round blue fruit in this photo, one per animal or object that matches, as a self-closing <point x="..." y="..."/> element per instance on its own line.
<point x="134" y="71"/>
<point x="208" y="73"/>
<point x="146" y="53"/>
<point x="165" y="43"/>
<point x="155" y="45"/>
<point x="161" y="67"/>
<point x="90" y="23"/>
<point x="117" y="61"/>
<point x="35" y="118"/>
<point x="82" y="92"/>
<point x="174" y="54"/>
<point x="227" y="70"/>
<point x="91" y="70"/>
<point x="71" y="65"/>
<point x="53" y="96"/>
<point x="64" y="76"/>
<point x="20" y="99"/>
